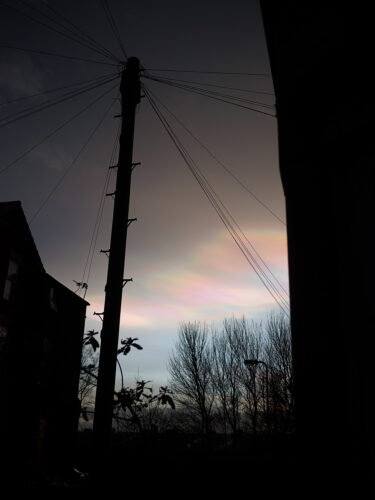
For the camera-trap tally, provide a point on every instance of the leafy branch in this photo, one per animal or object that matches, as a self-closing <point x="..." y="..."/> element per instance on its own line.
<point x="89" y="339"/>
<point x="128" y="400"/>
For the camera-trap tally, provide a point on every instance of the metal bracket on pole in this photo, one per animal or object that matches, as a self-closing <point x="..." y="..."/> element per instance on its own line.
<point x="99" y="314"/>
<point x="130" y="221"/>
<point x="135" y="165"/>
<point x="126" y="280"/>
<point x="106" y="252"/>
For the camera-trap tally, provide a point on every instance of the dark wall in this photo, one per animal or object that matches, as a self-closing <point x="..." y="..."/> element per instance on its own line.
<point x="42" y="325"/>
<point x="321" y="66"/>
<point x="63" y="325"/>
<point x="21" y="340"/>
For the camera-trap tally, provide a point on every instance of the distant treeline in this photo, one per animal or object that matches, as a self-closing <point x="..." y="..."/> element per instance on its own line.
<point x="234" y="380"/>
<point x="212" y="391"/>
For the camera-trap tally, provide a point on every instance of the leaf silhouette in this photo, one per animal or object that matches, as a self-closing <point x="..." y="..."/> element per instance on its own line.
<point x="94" y="343"/>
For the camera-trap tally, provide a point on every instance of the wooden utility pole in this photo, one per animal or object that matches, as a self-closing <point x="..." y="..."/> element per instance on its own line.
<point x="130" y="94"/>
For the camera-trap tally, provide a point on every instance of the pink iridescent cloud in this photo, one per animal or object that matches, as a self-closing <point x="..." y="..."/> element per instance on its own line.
<point x="213" y="282"/>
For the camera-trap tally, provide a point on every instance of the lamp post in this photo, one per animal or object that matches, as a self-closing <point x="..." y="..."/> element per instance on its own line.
<point x="256" y="362"/>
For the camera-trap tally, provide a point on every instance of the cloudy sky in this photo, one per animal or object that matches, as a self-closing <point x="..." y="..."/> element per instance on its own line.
<point x="184" y="264"/>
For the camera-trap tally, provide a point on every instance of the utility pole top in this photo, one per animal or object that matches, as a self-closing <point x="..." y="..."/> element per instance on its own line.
<point x="130" y="85"/>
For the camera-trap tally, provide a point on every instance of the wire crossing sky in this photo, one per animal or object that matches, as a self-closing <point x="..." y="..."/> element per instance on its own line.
<point x="209" y="240"/>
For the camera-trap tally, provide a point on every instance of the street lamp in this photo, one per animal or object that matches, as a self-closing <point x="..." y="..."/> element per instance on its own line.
<point x="256" y="362"/>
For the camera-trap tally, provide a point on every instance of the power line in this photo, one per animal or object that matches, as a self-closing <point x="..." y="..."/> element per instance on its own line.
<point x="48" y="136"/>
<point x="218" y="86"/>
<point x="210" y="95"/>
<point x="206" y="72"/>
<point x="215" y="200"/>
<point x="113" y="25"/>
<point x="99" y="215"/>
<point x="19" y="115"/>
<point x="59" y="182"/>
<point x="57" y="89"/>
<point x="77" y="28"/>
<point x="217" y="204"/>
<point x="87" y="41"/>
<point x="217" y="160"/>
<point x="214" y="95"/>
<point x="210" y="92"/>
<point x="34" y="51"/>
<point x="28" y="16"/>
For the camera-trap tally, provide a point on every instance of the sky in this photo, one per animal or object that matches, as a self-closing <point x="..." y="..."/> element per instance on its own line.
<point x="184" y="264"/>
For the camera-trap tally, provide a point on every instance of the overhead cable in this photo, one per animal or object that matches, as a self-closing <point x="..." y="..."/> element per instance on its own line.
<point x="217" y="86"/>
<point x="95" y="233"/>
<point x="56" y="89"/>
<point x="113" y="26"/>
<point x="207" y="72"/>
<point x="48" y="26"/>
<point x="210" y="92"/>
<point x="211" y="95"/>
<point x="79" y="30"/>
<point x="43" y="52"/>
<point x="48" y="136"/>
<point x="61" y="179"/>
<point x="76" y="32"/>
<point x="218" y="206"/>
<point x="18" y="115"/>
<point x="217" y="160"/>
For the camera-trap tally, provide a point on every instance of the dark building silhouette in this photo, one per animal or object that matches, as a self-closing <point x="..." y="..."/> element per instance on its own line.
<point x="320" y="57"/>
<point x="41" y="332"/>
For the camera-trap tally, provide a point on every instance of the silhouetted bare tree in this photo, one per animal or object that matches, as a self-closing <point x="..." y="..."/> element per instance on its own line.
<point x="190" y="369"/>
<point x="278" y="356"/>
<point x="246" y="341"/>
<point x="215" y="387"/>
<point x="226" y="375"/>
